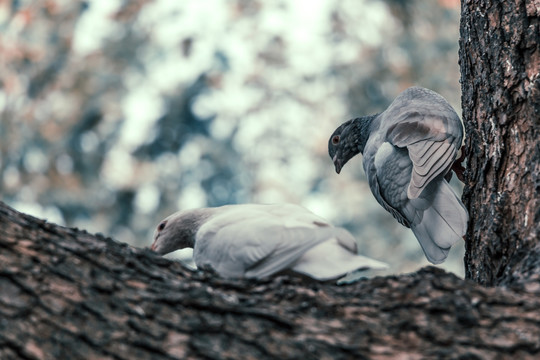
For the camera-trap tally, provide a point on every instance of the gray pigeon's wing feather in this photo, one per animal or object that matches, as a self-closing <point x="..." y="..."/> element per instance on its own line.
<point x="442" y="224"/>
<point x="434" y="253"/>
<point x="423" y="122"/>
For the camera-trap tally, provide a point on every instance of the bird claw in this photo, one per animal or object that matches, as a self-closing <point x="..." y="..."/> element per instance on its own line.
<point x="458" y="168"/>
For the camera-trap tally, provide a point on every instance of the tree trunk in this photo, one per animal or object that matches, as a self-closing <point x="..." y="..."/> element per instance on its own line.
<point x="66" y="294"/>
<point x="500" y="65"/>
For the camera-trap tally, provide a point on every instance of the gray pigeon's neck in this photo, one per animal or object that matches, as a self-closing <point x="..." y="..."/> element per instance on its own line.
<point x="361" y="128"/>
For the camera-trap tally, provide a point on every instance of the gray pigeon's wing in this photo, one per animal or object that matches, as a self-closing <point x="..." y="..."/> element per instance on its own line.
<point x="423" y="122"/>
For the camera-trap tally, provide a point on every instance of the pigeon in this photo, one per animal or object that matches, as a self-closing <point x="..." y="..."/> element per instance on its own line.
<point x="408" y="149"/>
<point x="257" y="241"/>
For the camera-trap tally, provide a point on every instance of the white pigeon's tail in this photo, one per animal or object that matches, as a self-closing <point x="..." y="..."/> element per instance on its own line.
<point x="442" y="224"/>
<point x="331" y="260"/>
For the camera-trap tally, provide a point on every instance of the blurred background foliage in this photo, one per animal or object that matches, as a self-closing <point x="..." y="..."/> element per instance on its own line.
<point x="115" y="114"/>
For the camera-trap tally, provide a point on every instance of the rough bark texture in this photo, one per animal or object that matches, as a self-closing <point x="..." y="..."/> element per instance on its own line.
<point x="500" y="65"/>
<point x="66" y="294"/>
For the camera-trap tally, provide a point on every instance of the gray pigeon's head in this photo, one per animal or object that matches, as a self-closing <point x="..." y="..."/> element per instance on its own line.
<point x="340" y="148"/>
<point x="349" y="139"/>
<point x="177" y="231"/>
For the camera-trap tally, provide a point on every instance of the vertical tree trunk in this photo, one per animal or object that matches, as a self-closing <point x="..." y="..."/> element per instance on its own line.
<point x="500" y="63"/>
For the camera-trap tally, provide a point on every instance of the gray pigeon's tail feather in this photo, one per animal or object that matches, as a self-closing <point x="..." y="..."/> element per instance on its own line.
<point x="442" y="224"/>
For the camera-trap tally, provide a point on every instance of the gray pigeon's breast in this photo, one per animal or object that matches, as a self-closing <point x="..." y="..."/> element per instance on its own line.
<point x="389" y="171"/>
<point x="394" y="173"/>
<point x="372" y="145"/>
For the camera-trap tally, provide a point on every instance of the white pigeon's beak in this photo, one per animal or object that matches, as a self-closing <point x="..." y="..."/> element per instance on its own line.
<point x="154" y="244"/>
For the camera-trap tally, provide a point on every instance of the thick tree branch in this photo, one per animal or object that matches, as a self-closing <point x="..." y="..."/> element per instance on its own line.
<point x="67" y="294"/>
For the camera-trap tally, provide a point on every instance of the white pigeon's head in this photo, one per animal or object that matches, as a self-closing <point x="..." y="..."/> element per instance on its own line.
<point x="177" y="231"/>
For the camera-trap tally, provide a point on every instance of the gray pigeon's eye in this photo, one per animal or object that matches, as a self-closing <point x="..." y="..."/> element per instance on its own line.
<point x="335" y="140"/>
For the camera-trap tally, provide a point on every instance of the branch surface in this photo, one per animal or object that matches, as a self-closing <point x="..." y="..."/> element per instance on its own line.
<point x="65" y="293"/>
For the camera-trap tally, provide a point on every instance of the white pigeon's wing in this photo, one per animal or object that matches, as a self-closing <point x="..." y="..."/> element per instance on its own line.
<point x="250" y="242"/>
<point x="292" y="215"/>
<point x="293" y="244"/>
<point x="425" y="123"/>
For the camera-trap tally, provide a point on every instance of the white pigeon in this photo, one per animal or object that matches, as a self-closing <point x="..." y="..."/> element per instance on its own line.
<point x="257" y="241"/>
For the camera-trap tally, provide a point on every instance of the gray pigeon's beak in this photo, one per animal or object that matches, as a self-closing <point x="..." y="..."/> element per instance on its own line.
<point x="337" y="163"/>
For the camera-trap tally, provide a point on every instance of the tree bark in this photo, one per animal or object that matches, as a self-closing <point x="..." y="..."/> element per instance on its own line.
<point x="66" y="294"/>
<point x="500" y="65"/>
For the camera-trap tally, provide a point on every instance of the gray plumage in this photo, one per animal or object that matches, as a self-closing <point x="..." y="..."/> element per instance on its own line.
<point x="407" y="151"/>
<point x="256" y="241"/>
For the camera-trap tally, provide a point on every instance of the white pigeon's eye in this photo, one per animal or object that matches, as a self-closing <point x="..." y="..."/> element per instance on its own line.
<point x="162" y="226"/>
<point x="335" y="140"/>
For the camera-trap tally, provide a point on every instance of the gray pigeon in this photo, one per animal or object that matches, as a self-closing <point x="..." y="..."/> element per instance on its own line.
<point x="257" y="241"/>
<point x="408" y="149"/>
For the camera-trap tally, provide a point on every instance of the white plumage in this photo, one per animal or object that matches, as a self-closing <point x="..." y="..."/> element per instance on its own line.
<point x="257" y="241"/>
